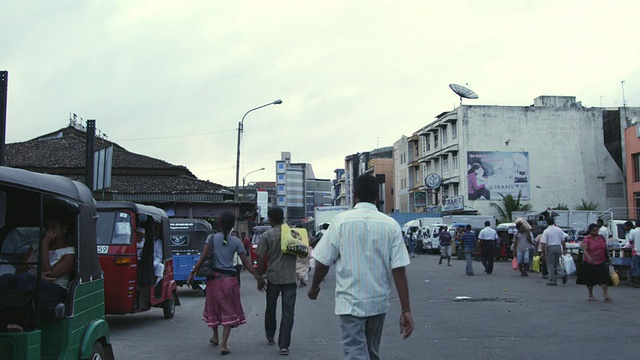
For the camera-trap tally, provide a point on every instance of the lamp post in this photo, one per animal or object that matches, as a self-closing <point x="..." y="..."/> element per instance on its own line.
<point x="245" y="177"/>
<point x="240" y="124"/>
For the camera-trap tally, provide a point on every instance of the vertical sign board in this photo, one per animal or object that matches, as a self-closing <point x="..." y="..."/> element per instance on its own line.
<point x="491" y="174"/>
<point x="103" y="161"/>
<point x="262" y="199"/>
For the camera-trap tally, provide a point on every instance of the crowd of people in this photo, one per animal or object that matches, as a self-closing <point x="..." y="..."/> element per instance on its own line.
<point x="363" y="282"/>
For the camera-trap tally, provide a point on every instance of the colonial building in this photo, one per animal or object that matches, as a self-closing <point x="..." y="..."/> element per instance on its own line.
<point x="553" y="151"/>
<point x="134" y="177"/>
<point x="357" y="164"/>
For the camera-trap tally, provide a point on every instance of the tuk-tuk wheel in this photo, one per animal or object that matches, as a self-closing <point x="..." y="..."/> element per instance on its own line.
<point x="97" y="353"/>
<point x="169" y="307"/>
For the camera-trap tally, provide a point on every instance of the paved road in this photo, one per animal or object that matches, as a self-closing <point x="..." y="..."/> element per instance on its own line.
<point x="507" y="317"/>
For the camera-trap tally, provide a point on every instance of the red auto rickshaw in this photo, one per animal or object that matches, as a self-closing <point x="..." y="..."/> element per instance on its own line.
<point x="134" y="247"/>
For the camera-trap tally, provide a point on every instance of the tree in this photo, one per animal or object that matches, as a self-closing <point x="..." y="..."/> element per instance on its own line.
<point x="561" y="206"/>
<point x="587" y="205"/>
<point x="510" y="204"/>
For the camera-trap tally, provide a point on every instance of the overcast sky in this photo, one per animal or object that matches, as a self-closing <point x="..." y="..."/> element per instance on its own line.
<point x="172" y="79"/>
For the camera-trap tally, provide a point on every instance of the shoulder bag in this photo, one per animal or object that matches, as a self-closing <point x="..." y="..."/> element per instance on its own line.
<point x="206" y="269"/>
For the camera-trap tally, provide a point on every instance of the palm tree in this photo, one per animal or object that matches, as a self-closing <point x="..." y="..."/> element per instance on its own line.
<point x="510" y="205"/>
<point x="587" y="205"/>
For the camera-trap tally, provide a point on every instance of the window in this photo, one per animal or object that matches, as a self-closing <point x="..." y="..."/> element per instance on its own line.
<point x="280" y="187"/>
<point x="435" y="140"/>
<point x="444" y="136"/>
<point x="280" y="199"/>
<point x="454" y="162"/>
<point x="636" y="167"/>
<point x="445" y="165"/>
<point x="427" y="141"/>
<point x="455" y="190"/>
<point x="637" y="197"/>
<point x="454" y="131"/>
<point x="280" y="165"/>
<point x="280" y="176"/>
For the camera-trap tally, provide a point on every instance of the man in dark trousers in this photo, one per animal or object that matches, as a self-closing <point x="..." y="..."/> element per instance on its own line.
<point x="281" y="279"/>
<point x="488" y="238"/>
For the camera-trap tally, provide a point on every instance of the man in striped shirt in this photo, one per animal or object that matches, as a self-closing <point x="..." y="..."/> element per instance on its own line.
<point x="368" y="249"/>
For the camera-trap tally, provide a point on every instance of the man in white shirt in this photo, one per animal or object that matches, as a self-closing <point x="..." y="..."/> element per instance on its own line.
<point x="488" y="238"/>
<point x="158" y="264"/>
<point x="553" y="245"/>
<point x="367" y="248"/>
<point x="604" y="231"/>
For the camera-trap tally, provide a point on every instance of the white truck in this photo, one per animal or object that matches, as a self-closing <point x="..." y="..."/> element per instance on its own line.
<point x="476" y="221"/>
<point x="324" y="215"/>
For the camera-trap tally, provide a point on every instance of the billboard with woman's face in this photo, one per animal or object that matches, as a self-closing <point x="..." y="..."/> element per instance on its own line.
<point x="491" y="173"/>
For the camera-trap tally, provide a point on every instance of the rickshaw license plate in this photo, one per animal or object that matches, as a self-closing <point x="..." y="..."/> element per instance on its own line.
<point x="103" y="249"/>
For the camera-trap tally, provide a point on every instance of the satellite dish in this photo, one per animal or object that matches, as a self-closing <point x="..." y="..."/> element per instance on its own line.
<point x="463" y="92"/>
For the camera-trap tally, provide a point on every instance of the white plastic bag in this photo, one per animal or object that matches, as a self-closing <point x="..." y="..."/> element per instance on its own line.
<point x="568" y="264"/>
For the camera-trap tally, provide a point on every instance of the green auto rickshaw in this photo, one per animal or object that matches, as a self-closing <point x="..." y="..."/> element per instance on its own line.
<point x="51" y="303"/>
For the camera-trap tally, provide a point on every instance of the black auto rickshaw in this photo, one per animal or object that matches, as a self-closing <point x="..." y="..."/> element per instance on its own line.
<point x="187" y="240"/>
<point x="134" y="247"/>
<point x="32" y="326"/>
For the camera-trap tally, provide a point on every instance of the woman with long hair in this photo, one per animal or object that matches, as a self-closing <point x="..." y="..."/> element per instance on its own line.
<point x="595" y="267"/>
<point x="476" y="183"/>
<point x="222" y="305"/>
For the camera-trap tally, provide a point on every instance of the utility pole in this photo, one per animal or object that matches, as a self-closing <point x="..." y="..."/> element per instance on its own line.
<point x="90" y="150"/>
<point x="4" y="86"/>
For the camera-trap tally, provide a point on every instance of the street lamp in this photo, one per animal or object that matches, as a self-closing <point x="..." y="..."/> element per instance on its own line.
<point x="240" y="124"/>
<point x="244" y="177"/>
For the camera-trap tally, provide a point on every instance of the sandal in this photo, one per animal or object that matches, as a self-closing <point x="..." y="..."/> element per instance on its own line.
<point x="608" y="300"/>
<point x="591" y="299"/>
<point x="12" y="328"/>
<point x="213" y="341"/>
<point x="284" y="351"/>
<point x="270" y="341"/>
<point x="225" y="352"/>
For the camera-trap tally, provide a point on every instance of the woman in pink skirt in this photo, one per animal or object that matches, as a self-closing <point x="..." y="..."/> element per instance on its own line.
<point x="222" y="306"/>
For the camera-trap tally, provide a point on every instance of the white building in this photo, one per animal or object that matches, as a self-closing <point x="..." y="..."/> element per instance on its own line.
<point x="554" y="151"/>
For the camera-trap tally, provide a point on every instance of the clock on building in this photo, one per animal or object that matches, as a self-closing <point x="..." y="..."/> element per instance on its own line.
<point x="433" y="181"/>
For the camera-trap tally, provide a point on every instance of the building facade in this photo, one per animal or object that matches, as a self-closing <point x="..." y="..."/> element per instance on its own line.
<point x="318" y="193"/>
<point x="383" y="170"/>
<point x="339" y="188"/>
<point x="554" y="151"/>
<point x="632" y="161"/>
<point x="357" y="164"/>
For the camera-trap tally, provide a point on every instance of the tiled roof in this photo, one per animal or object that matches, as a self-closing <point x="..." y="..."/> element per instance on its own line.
<point x="69" y="152"/>
<point x="65" y="149"/>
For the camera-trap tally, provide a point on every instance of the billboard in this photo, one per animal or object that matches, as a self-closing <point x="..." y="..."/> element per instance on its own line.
<point x="420" y="199"/>
<point x="490" y="174"/>
<point x="262" y="200"/>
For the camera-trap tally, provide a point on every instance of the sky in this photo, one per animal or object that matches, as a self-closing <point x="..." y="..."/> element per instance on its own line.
<point x="172" y="79"/>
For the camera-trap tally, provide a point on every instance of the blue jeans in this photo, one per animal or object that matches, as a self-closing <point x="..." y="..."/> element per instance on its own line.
<point x="288" y="292"/>
<point x="361" y="336"/>
<point x="49" y="296"/>
<point x="468" y="254"/>
<point x="523" y="257"/>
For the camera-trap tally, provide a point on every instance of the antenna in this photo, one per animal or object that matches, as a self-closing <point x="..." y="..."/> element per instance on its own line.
<point x="463" y="92"/>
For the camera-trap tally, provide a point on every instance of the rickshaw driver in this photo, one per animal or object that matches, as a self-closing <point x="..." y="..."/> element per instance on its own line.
<point x="140" y="242"/>
<point x="56" y="268"/>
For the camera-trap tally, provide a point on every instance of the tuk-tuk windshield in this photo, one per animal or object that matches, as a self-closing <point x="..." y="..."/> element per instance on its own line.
<point x="114" y="228"/>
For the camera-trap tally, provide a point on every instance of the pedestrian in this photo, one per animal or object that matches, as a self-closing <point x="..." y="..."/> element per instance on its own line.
<point x="553" y="245"/>
<point x="468" y="240"/>
<point x="302" y="270"/>
<point x="222" y="306"/>
<point x="488" y="238"/>
<point x="523" y="243"/>
<point x="543" y="264"/>
<point x="368" y="250"/>
<point x="595" y="267"/>
<point x="633" y="243"/>
<point x="412" y="244"/>
<point x="281" y="281"/>
<point x="445" y="246"/>
<point x="604" y="231"/>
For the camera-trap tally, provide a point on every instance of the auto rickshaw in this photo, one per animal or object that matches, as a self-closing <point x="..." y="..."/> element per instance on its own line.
<point x="187" y="240"/>
<point x="130" y="260"/>
<point x="31" y="327"/>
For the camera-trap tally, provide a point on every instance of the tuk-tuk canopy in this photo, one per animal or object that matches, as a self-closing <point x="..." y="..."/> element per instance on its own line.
<point x="58" y="191"/>
<point x="156" y="213"/>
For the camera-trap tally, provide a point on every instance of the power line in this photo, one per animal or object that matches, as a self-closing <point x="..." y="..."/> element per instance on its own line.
<point x="175" y="136"/>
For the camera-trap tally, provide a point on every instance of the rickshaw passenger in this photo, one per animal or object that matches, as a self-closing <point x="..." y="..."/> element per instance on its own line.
<point x="158" y="266"/>
<point x="56" y="268"/>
